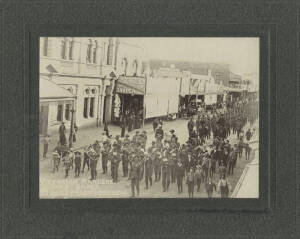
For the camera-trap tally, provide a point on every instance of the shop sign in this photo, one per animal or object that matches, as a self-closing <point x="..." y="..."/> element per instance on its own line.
<point x="122" y="90"/>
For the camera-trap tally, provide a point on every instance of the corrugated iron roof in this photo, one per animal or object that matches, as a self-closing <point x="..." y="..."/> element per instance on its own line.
<point x="50" y="90"/>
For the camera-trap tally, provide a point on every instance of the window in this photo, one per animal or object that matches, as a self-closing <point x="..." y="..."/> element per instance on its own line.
<point x="67" y="111"/>
<point x="85" y="107"/>
<point x="92" y="104"/>
<point x="135" y="67"/>
<point x="63" y="48"/>
<point x="95" y="52"/>
<point x="45" y="48"/>
<point x="89" y="52"/>
<point x="71" y="48"/>
<point x="124" y="65"/>
<point x="110" y="52"/>
<point x="59" y="117"/>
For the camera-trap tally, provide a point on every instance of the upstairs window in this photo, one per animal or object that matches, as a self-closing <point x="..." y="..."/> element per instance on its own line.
<point x="45" y="47"/>
<point x="89" y="52"/>
<point x="63" y="48"/>
<point x="110" y="52"/>
<point x="135" y="67"/>
<point x="71" y="49"/>
<point x="95" y="53"/>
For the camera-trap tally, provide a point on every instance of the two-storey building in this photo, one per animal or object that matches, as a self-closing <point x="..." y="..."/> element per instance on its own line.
<point x="85" y="67"/>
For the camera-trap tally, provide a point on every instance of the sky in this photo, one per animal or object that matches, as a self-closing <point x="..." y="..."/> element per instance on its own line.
<point x="241" y="53"/>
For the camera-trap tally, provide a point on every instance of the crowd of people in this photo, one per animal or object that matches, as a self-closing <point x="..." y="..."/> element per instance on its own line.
<point x="166" y="160"/>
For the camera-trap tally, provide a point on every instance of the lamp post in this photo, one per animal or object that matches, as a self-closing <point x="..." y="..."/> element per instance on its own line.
<point x="71" y="128"/>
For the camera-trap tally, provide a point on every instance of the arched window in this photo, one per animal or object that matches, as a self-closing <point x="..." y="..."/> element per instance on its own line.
<point x="124" y="65"/>
<point x="45" y="47"/>
<point x="89" y="52"/>
<point x="95" y="52"/>
<point x="63" y="48"/>
<point x="71" y="49"/>
<point x="110" y="52"/>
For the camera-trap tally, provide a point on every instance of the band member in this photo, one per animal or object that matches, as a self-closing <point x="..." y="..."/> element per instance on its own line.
<point x="166" y="169"/>
<point x="105" y="155"/>
<point x="77" y="163"/>
<point x="86" y="159"/>
<point x="115" y="159"/>
<point x="210" y="186"/>
<point x="179" y="175"/>
<point x="199" y="176"/>
<point x="134" y="174"/>
<point x="148" y="170"/>
<point x="67" y="164"/>
<point x="94" y="156"/>
<point x="190" y="179"/>
<point x="125" y="155"/>
<point x="159" y="133"/>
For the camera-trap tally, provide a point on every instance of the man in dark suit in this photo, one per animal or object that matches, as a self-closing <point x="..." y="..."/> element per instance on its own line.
<point x="179" y="176"/>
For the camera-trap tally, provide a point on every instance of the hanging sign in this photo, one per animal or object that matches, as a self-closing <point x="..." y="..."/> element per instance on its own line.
<point x="123" y="90"/>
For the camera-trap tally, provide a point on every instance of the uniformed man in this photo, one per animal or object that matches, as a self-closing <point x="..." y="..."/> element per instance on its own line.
<point x="148" y="170"/>
<point x="125" y="155"/>
<point x="77" y="163"/>
<point x="105" y="155"/>
<point x="86" y="159"/>
<point x="173" y="162"/>
<point x="134" y="174"/>
<point x="143" y="139"/>
<point x="71" y="157"/>
<point x="165" y="170"/>
<point x="191" y="126"/>
<point x="179" y="175"/>
<point x="159" y="133"/>
<point x="156" y="159"/>
<point x="92" y="154"/>
<point x="67" y="164"/>
<point x="115" y="159"/>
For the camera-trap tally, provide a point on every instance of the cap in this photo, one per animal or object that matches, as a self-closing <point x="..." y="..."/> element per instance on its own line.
<point x="172" y="130"/>
<point x="127" y="136"/>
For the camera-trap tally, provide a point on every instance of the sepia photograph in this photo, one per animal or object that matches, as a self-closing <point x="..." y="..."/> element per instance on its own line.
<point x="149" y="117"/>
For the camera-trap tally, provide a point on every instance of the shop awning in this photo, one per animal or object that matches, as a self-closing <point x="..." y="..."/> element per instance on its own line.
<point x="130" y="85"/>
<point x="231" y="89"/>
<point x="50" y="90"/>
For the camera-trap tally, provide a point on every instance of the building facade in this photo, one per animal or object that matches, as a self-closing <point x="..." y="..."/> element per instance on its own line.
<point x="84" y="67"/>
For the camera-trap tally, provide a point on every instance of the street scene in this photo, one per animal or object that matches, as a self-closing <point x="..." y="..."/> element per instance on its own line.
<point x="149" y="117"/>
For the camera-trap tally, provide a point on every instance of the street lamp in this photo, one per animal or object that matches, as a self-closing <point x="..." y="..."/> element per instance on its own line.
<point x="71" y="128"/>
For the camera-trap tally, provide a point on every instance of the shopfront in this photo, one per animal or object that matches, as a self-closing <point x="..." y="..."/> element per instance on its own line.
<point x="128" y="98"/>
